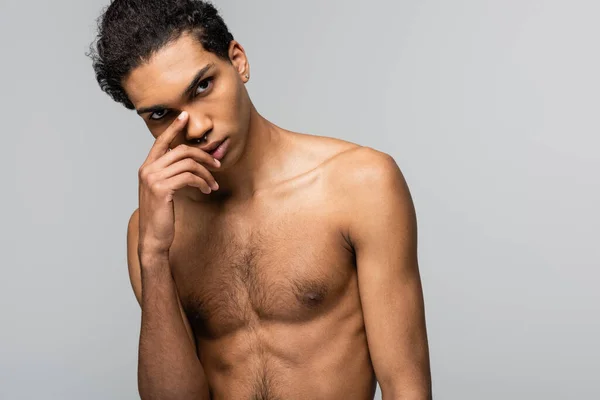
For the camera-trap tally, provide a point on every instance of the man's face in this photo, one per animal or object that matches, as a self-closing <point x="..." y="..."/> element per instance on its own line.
<point x="217" y="102"/>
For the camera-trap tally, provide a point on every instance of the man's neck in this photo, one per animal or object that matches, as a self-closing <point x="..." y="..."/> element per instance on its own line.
<point x="262" y="161"/>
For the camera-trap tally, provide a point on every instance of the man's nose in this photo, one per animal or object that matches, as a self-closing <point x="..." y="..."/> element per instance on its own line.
<point x="198" y="128"/>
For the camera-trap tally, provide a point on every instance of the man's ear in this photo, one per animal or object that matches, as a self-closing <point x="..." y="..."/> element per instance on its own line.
<point x="238" y="58"/>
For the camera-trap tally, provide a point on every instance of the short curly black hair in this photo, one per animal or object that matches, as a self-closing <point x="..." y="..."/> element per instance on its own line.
<point x="131" y="31"/>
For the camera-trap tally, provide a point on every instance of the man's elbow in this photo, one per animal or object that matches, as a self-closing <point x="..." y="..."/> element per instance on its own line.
<point x="393" y="391"/>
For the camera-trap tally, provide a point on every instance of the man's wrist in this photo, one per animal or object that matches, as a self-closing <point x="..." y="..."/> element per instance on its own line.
<point x="153" y="258"/>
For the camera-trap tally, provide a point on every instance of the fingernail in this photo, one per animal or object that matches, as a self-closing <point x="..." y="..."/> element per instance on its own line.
<point x="182" y="115"/>
<point x="217" y="162"/>
<point x="215" y="186"/>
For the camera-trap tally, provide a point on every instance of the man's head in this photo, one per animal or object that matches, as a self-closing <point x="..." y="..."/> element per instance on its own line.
<point x="149" y="54"/>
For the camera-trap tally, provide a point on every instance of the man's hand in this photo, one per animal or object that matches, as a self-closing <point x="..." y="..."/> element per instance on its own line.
<point x="162" y="173"/>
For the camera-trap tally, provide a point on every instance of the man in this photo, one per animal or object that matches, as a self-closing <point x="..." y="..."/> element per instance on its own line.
<point x="288" y="269"/>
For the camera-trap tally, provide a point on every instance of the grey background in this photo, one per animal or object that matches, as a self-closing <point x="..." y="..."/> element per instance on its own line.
<point x="489" y="107"/>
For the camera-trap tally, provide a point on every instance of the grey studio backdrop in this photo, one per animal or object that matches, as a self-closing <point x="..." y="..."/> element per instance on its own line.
<point x="489" y="107"/>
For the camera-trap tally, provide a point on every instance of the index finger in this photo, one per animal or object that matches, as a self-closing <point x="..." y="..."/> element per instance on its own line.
<point x="162" y="142"/>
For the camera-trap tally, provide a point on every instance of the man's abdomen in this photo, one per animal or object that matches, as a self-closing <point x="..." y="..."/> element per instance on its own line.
<point x="325" y="358"/>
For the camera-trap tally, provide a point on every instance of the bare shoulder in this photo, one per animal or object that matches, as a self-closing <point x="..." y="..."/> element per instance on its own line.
<point x="348" y="166"/>
<point x="363" y="167"/>
<point x="366" y="185"/>
<point x="320" y="150"/>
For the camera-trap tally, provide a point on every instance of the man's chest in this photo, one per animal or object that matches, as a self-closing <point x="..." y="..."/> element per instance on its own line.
<point x="234" y="271"/>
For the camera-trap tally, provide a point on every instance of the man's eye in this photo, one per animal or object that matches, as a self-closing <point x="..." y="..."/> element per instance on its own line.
<point x="160" y="116"/>
<point x="204" y="85"/>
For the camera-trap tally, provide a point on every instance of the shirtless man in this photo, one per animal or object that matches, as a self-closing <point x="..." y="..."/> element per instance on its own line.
<point x="296" y="275"/>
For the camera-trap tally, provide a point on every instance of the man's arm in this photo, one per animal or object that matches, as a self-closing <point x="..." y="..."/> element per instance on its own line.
<point x="168" y="367"/>
<point x="383" y="231"/>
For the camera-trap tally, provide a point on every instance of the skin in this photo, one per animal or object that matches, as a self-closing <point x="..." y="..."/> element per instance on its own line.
<point x="298" y="278"/>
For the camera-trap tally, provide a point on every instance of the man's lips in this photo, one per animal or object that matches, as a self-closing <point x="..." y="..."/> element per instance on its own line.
<point x="220" y="151"/>
<point x="211" y="146"/>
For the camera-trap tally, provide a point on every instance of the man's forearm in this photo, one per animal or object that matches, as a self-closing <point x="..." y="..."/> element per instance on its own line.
<point x="168" y="367"/>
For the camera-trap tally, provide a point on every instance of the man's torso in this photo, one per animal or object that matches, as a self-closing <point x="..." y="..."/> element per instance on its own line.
<point x="269" y="286"/>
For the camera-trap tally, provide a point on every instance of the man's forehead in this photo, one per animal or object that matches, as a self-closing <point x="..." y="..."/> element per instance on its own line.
<point x="171" y="66"/>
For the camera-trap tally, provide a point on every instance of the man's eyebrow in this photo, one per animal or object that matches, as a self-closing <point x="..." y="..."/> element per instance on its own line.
<point x="199" y="75"/>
